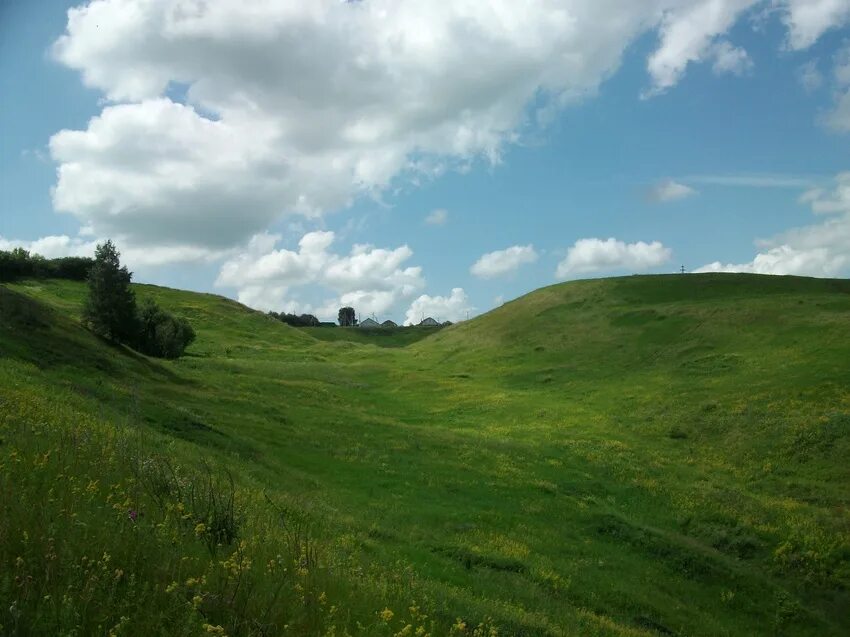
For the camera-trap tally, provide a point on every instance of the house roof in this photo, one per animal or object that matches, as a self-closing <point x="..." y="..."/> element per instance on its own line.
<point x="369" y="323"/>
<point x="429" y="322"/>
<point x="389" y="323"/>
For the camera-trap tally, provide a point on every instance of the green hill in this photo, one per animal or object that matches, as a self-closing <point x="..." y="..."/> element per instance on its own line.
<point x="635" y="456"/>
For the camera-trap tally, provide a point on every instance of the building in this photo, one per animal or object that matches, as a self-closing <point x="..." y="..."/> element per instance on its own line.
<point x="429" y="322"/>
<point x="388" y="324"/>
<point x="369" y="324"/>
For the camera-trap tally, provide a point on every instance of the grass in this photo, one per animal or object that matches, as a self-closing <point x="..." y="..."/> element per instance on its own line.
<point x="633" y="456"/>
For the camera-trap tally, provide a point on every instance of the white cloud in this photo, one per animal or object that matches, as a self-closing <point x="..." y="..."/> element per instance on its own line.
<point x="437" y="217"/>
<point x="670" y="190"/>
<point x="821" y="249"/>
<point x="824" y="201"/>
<point x="593" y="255"/>
<point x="687" y="35"/>
<point x="302" y="106"/>
<point x="501" y="262"/>
<point x="784" y="259"/>
<point x="455" y="307"/>
<point x="730" y="59"/>
<point x="810" y="77"/>
<point x="54" y="246"/>
<point x="368" y="278"/>
<point x="807" y="20"/>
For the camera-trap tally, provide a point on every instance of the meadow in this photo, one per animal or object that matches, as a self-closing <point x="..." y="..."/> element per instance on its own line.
<point x="638" y="456"/>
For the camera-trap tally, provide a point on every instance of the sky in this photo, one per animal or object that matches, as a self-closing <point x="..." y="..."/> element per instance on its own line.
<point x="415" y="158"/>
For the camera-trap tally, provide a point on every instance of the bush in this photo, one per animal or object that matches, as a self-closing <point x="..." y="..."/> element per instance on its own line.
<point x="162" y="334"/>
<point x="304" y="320"/>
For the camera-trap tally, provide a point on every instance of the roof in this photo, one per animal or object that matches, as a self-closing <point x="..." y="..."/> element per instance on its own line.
<point x="369" y="323"/>
<point x="389" y="323"/>
<point x="429" y="322"/>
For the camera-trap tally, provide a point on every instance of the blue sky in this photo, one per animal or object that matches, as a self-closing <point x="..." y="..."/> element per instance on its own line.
<point x="709" y="134"/>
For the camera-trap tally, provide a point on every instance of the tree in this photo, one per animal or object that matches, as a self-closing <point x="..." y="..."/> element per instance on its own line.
<point x="110" y="309"/>
<point x="162" y="334"/>
<point x="347" y="317"/>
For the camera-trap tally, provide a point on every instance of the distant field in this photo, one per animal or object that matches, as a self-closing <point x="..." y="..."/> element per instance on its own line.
<point x="637" y="456"/>
<point x="383" y="337"/>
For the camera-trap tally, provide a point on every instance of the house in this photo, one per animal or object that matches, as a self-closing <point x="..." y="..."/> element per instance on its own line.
<point x="429" y="322"/>
<point x="369" y="324"/>
<point x="388" y="324"/>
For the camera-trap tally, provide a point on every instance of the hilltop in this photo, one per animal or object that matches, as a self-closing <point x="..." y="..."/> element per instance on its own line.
<point x="653" y="455"/>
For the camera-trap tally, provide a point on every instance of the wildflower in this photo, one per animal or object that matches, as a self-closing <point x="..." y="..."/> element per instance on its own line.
<point x="196" y="601"/>
<point x="213" y="630"/>
<point x="200" y="529"/>
<point x="386" y="614"/>
<point x="132" y="514"/>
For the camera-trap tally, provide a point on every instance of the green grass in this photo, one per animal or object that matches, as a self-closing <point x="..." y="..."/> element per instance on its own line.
<point x="634" y="456"/>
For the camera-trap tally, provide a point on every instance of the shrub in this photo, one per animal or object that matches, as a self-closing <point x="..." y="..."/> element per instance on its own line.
<point x="304" y="320"/>
<point x="162" y="334"/>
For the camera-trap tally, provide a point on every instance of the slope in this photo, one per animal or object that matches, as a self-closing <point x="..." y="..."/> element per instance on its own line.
<point x="648" y="455"/>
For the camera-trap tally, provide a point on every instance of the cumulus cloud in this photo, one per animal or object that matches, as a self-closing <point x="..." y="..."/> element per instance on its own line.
<point x="784" y="259"/>
<point x="821" y="249"/>
<point x="373" y="280"/>
<point x="593" y="255"/>
<point x="687" y="35"/>
<point x="159" y="173"/>
<point x="807" y="20"/>
<point x="827" y="201"/>
<point x="300" y="107"/>
<point x="730" y="59"/>
<point x="437" y="217"/>
<point x="502" y="262"/>
<point x="455" y="307"/>
<point x="53" y="246"/>
<point x="669" y="190"/>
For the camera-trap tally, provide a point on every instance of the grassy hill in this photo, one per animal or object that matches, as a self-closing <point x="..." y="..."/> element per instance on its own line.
<point x="636" y="456"/>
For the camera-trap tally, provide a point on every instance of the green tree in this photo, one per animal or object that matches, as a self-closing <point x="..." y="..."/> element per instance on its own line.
<point x="110" y="309"/>
<point x="346" y="317"/>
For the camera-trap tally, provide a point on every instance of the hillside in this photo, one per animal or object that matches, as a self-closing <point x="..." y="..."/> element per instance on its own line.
<point x="636" y="456"/>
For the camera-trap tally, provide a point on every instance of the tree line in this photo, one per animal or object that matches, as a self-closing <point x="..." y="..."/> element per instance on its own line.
<point x="346" y="318"/>
<point x="20" y="264"/>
